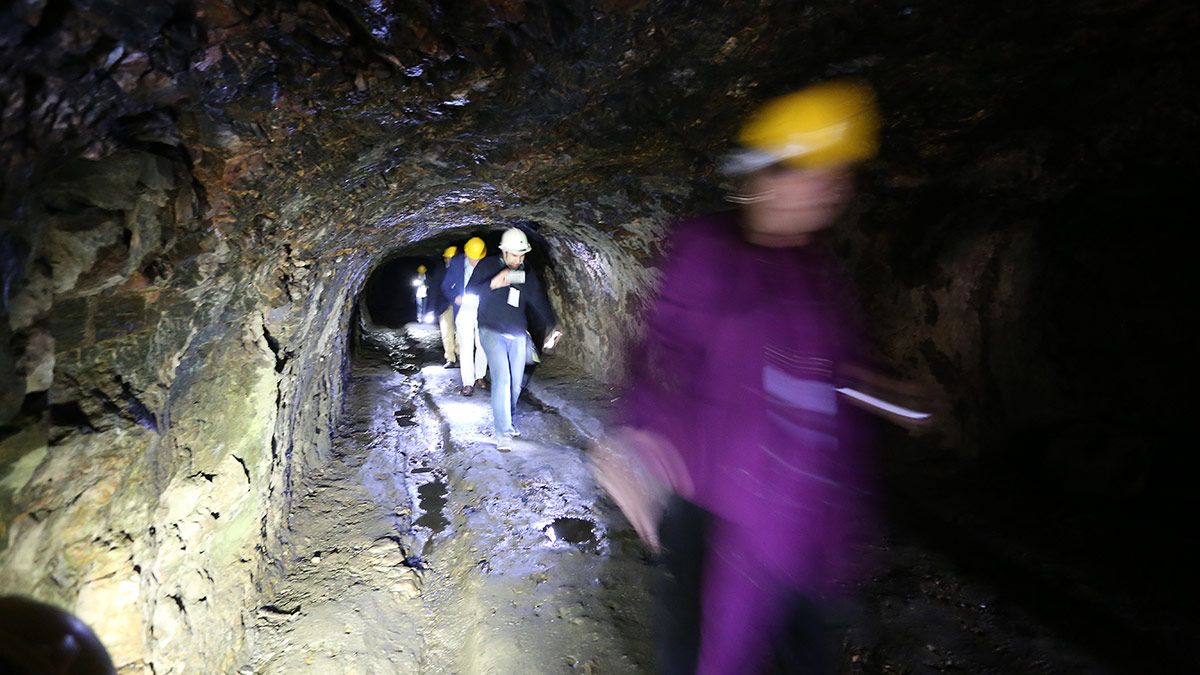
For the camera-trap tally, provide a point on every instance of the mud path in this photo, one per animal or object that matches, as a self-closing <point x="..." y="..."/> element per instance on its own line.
<point x="421" y="548"/>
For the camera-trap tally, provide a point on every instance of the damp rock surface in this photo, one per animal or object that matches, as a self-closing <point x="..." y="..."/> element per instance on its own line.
<point x="422" y="548"/>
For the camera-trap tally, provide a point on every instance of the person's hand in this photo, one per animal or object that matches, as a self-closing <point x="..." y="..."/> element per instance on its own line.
<point x="552" y="339"/>
<point x="659" y="456"/>
<point x="635" y="491"/>
<point x="501" y="279"/>
<point x="458" y="299"/>
<point x="639" y="470"/>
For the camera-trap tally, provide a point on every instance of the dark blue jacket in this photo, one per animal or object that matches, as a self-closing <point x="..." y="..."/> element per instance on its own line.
<point x="438" y="299"/>
<point x="452" y="282"/>
<point x="495" y="312"/>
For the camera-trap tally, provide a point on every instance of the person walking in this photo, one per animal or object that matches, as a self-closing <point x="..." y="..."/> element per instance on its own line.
<point x="472" y="359"/>
<point x="739" y="460"/>
<point x="422" y="293"/>
<point x="510" y="295"/>
<point x="443" y="308"/>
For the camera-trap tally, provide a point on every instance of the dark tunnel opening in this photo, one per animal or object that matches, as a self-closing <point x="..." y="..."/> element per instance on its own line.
<point x="390" y="292"/>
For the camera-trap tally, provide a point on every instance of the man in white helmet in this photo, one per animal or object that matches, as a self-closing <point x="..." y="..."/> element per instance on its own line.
<point x="509" y="296"/>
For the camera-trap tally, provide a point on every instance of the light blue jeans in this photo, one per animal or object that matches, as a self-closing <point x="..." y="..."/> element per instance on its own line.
<point x="506" y="356"/>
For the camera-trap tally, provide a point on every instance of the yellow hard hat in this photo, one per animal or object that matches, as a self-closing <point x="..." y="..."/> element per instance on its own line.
<point x="475" y="248"/>
<point x="828" y="124"/>
<point x="420" y="269"/>
<point x="449" y="253"/>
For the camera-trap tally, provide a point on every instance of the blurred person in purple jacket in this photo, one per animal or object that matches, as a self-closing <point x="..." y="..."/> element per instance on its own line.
<point x="739" y="461"/>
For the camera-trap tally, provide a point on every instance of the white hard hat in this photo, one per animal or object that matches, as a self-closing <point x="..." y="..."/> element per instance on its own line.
<point x="514" y="241"/>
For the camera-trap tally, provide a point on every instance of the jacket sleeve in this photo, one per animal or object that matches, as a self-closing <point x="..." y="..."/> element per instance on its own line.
<point x="435" y="290"/>
<point x="453" y="271"/>
<point x="539" y="304"/>
<point x="665" y="365"/>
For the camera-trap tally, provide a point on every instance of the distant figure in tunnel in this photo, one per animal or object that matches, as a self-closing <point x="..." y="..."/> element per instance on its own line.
<point x="443" y="308"/>
<point x="509" y="294"/>
<point x="738" y="460"/>
<point x="472" y="360"/>
<point x="422" y="293"/>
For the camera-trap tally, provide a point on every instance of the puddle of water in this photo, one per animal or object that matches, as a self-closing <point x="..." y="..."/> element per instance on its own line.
<point x="579" y="532"/>
<point x="422" y="469"/>
<point x="405" y="418"/>
<point x="431" y="497"/>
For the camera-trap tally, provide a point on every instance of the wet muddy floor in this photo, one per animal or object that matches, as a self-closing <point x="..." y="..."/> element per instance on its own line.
<point x="419" y="547"/>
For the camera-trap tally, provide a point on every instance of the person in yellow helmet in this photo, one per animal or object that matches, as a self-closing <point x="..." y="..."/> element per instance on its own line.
<point x="443" y="308"/>
<point x="737" y="459"/>
<point x="472" y="360"/>
<point x="422" y="292"/>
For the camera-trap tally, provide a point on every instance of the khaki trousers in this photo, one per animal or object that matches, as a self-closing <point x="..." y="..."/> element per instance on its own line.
<point x="446" y="323"/>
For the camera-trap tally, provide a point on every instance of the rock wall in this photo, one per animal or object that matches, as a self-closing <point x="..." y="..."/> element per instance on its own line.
<point x="184" y="395"/>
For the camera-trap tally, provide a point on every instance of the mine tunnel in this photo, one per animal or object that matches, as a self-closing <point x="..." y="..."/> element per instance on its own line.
<point x="231" y="441"/>
<point x="390" y="291"/>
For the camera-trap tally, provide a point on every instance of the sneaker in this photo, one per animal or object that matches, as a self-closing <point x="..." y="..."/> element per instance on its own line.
<point x="450" y="364"/>
<point x="514" y="433"/>
<point x="467" y="390"/>
<point x="503" y="443"/>
<point x="481" y="384"/>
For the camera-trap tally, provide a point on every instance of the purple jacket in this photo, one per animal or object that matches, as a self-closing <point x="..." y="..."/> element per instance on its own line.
<point x="736" y="369"/>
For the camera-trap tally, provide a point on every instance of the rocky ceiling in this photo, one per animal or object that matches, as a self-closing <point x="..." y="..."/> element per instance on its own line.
<point x="194" y="193"/>
<point x="319" y="133"/>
